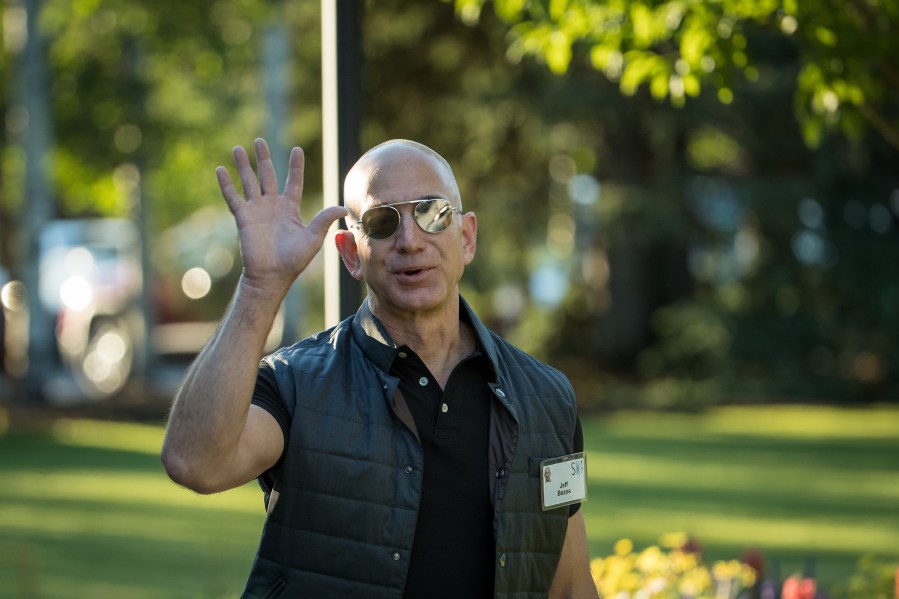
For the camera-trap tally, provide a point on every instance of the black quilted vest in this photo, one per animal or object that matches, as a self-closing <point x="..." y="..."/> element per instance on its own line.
<point x="344" y="504"/>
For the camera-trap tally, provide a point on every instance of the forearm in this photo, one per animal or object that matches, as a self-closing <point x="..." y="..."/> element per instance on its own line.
<point x="573" y="579"/>
<point x="210" y="409"/>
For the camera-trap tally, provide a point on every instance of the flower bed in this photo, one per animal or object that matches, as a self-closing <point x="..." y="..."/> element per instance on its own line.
<point x="671" y="570"/>
<point x="674" y="569"/>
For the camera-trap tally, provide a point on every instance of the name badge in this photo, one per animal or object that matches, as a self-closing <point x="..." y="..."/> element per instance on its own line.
<point x="564" y="480"/>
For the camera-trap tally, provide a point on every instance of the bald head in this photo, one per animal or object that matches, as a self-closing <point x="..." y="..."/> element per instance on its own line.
<point x="379" y="175"/>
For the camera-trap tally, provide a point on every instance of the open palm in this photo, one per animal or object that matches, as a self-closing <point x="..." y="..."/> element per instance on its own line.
<point x="275" y="244"/>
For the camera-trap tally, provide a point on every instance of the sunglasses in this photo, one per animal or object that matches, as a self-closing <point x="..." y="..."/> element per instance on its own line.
<point x="432" y="215"/>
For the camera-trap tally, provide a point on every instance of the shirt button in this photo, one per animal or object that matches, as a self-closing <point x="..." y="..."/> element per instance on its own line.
<point x="500" y="394"/>
<point x="444" y="408"/>
<point x="396" y="556"/>
<point x="408" y="469"/>
<point x="402" y="354"/>
<point x="502" y="560"/>
<point x="423" y="381"/>
<point x="500" y="473"/>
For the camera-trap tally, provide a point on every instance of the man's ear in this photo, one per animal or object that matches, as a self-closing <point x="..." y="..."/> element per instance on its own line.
<point x="349" y="252"/>
<point x="469" y="236"/>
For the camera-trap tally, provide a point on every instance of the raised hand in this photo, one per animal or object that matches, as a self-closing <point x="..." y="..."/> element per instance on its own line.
<point x="275" y="244"/>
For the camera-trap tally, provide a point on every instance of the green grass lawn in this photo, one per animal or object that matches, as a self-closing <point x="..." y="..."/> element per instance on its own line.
<point x="798" y="483"/>
<point x="87" y="512"/>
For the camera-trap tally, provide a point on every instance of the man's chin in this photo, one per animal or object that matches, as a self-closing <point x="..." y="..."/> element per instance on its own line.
<point x="412" y="302"/>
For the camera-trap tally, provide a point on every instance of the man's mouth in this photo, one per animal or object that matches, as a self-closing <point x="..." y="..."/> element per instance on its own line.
<point x="411" y="273"/>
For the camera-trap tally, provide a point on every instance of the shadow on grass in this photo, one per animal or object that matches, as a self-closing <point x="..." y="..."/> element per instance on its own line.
<point x="81" y="521"/>
<point x="41" y="451"/>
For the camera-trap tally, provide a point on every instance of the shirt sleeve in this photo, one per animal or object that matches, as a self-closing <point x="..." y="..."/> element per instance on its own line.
<point x="267" y="397"/>
<point x="578" y="447"/>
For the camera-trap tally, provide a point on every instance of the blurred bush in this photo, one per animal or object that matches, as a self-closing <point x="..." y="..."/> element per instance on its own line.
<point x="874" y="578"/>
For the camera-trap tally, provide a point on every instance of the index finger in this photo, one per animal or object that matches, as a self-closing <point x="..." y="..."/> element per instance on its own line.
<point x="293" y="187"/>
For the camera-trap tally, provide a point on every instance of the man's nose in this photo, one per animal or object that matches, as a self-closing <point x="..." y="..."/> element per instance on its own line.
<point x="409" y="234"/>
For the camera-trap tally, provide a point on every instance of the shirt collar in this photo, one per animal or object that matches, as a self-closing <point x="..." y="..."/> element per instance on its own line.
<point x="381" y="350"/>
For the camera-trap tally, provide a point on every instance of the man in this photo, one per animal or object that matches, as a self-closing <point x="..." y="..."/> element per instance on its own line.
<point x="401" y="451"/>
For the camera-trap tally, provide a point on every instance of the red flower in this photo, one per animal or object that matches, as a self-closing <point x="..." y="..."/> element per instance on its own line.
<point x="799" y="588"/>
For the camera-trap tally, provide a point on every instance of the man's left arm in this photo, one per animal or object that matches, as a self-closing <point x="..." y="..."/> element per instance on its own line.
<point x="573" y="579"/>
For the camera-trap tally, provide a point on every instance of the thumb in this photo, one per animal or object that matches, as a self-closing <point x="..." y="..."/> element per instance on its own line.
<point x="322" y="221"/>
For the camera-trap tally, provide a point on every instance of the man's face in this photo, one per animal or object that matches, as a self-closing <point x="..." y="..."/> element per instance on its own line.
<point x="413" y="272"/>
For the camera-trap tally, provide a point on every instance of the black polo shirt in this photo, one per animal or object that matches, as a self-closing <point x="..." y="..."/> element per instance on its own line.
<point x="453" y="550"/>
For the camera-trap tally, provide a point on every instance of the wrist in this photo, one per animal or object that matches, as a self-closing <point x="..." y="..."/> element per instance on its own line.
<point x="262" y="290"/>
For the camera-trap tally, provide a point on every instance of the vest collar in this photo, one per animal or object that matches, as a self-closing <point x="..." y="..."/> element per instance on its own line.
<point x="381" y="350"/>
<point x="376" y="344"/>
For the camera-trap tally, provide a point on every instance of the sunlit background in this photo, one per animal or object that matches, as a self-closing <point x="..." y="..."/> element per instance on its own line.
<point x="689" y="208"/>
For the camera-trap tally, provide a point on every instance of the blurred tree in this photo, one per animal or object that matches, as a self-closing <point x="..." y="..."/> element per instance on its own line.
<point x="727" y="241"/>
<point x="172" y="87"/>
<point x="134" y="81"/>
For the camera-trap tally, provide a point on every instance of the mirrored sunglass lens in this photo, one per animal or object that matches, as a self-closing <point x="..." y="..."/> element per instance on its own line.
<point x="380" y="223"/>
<point x="433" y="216"/>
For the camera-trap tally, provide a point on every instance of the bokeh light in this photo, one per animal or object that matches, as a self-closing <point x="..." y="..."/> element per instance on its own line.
<point x="196" y="283"/>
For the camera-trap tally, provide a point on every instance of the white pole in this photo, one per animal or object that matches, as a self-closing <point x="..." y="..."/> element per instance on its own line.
<point x="330" y="160"/>
<point x="341" y="116"/>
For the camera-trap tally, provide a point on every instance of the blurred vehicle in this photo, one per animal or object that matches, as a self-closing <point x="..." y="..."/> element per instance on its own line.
<point x="90" y="278"/>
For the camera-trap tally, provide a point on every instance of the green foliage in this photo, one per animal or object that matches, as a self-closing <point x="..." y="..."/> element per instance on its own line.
<point x="712" y="214"/>
<point x="692" y="336"/>
<point x="160" y="92"/>
<point x="676" y="48"/>
<point x="874" y="578"/>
